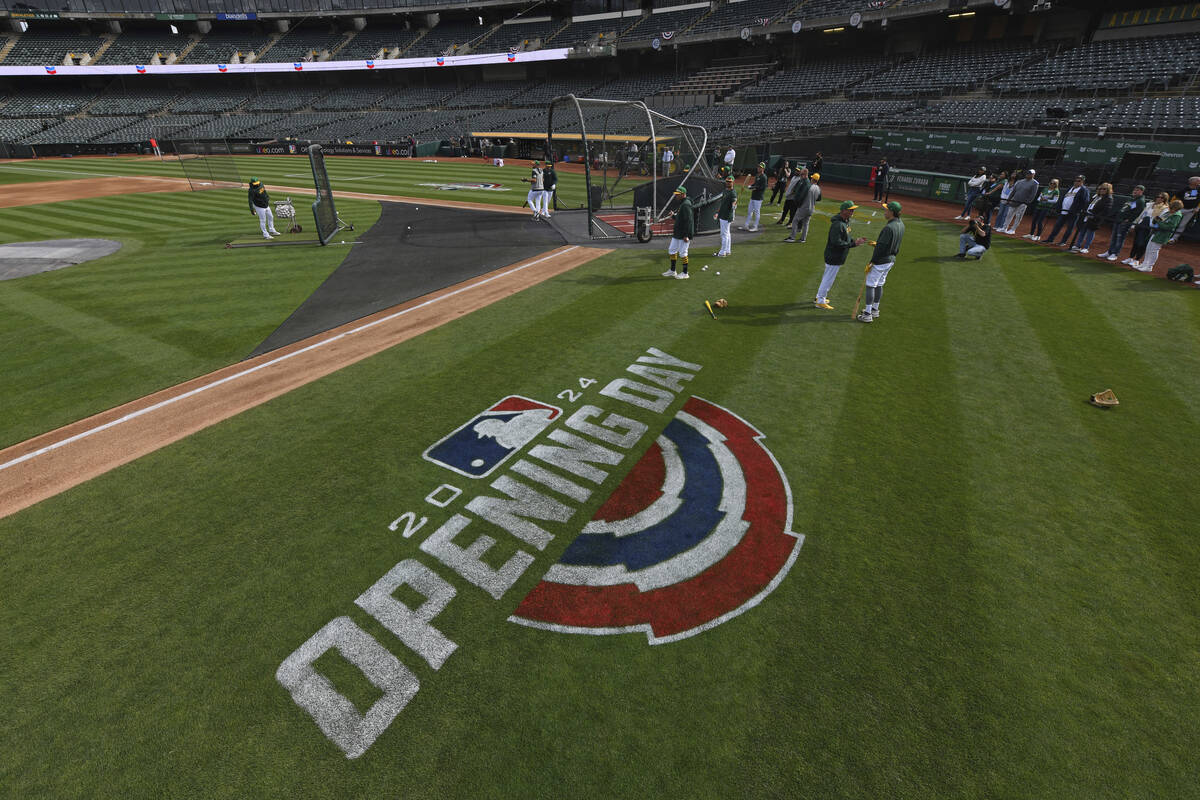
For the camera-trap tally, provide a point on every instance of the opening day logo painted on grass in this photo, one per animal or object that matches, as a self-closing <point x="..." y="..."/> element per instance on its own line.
<point x="454" y="187"/>
<point x="696" y="533"/>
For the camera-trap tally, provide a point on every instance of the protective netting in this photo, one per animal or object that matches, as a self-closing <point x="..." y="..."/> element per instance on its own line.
<point x="621" y="145"/>
<point x="323" y="209"/>
<point x="207" y="164"/>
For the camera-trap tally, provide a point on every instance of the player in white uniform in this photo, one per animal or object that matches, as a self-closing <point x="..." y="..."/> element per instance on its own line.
<point x="549" y="182"/>
<point x="534" y="198"/>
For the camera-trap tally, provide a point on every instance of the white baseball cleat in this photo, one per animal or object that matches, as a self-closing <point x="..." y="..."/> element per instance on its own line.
<point x="683" y="276"/>
<point x="669" y="273"/>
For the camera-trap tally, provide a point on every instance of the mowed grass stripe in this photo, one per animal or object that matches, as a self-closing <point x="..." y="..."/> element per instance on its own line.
<point x="1069" y="535"/>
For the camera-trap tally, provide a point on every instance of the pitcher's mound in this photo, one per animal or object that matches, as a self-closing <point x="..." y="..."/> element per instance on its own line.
<point x="22" y="259"/>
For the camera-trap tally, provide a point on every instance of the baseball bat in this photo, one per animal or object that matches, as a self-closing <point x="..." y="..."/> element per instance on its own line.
<point x="708" y="305"/>
<point x="861" y="289"/>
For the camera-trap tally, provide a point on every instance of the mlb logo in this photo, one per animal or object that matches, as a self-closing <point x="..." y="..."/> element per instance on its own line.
<point x="477" y="447"/>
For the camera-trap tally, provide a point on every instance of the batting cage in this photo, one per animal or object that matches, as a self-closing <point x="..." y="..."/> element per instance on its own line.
<point x="324" y="211"/>
<point x="206" y="163"/>
<point x="627" y="189"/>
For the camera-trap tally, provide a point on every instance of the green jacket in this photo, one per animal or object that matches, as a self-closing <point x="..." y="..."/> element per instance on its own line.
<point x="1048" y="199"/>
<point x="685" y="221"/>
<point x="728" y="198"/>
<point x="887" y="246"/>
<point x="1164" y="229"/>
<point x="837" y="247"/>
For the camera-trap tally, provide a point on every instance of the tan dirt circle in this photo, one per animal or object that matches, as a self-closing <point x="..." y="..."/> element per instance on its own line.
<point x="46" y="465"/>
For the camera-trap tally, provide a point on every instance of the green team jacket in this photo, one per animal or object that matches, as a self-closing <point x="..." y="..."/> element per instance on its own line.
<point x="257" y="195"/>
<point x="760" y="187"/>
<point x="887" y="246"/>
<point x="728" y="197"/>
<point x="685" y="221"/>
<point x="1166" y="228"/>
<point x="837" y="247"/>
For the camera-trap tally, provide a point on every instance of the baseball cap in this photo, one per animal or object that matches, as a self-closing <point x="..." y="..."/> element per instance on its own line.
<point x="729" y="179"/>
<point x="816" y="176"/>
<point x="1033" y="172"/>
<point x="847" y="205"/>
<point x="1139" y="186"/>
<point x="254" y="180"/>
<point x="893" y="206"/>
<point x="683" y="190"/>
<point x="762" y="164"/>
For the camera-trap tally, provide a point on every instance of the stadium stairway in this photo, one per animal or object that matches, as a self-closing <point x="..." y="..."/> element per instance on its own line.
<point x="193" y="40"/>
<point x="346" y="39"/>
<point x="271" y="40"/>
<point x="9" y="43"/>
<point x="108" y="38"/>
<point x="413" y="43"/>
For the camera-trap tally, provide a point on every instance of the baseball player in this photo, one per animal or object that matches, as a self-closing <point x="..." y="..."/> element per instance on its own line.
<point x="754" y="207"/>
<point x="260" y="205"/>
<point x="681" y="236"/>
<point x="887" y="247"/>
<point x="730" y="157"/>
<point x="837" y="248"/>
<point x="549" y="182"/>
<point x="534" y="197"/>
<point x="725" y="218"/>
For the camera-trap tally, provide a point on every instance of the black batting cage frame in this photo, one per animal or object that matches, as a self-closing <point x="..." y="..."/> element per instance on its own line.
<point x="589" y="128"/>
<point x="206" y="163"/>
<point x="325" y="213"/>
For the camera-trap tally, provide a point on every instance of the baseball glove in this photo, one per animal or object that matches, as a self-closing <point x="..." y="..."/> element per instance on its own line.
<point x="1105" y="399"/>
<point x="722" y="303"/>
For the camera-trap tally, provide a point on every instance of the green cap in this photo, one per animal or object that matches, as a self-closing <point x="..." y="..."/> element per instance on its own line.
<point x="681" y="190"/>
<point x="893" y="207"/>
<point x="762" y="164"/>
<point x="254" y="180"/>
<point x="847" y="205"/>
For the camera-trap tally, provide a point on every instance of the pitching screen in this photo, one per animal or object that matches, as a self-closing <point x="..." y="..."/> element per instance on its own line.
<point x="323" y="209"/>
<point x="206" y="164"/>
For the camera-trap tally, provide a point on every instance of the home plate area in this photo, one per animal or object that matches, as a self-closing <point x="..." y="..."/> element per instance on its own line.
<point x="625" y="223"/>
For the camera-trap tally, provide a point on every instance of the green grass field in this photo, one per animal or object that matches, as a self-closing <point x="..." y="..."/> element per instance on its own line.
<point x="995" y="596"/>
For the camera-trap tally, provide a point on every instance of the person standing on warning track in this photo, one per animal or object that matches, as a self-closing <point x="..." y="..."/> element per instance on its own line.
<point x="534" y="198"/>
<point x="725" y="218"/>
<point x="730" y="157"/>
<point x="260" y="205"/>
<point x="881" y="178"/>
<point x="681" y="236"/>
<point x="887" y="247"/>
<point x="757" y="192"/>
<point x="837" y="247"/>
<point x="549" y="182"/>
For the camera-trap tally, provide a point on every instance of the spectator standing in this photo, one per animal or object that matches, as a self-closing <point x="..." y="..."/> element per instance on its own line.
<point x="1123" y="221"/>
<point x="783" y="176"/>
<point x="881" y="178"/>
<point x="1099" y="210"/>
<point x="730" y="157"/>
<point x="668" y="158"/>
<point x="1071" y="204"/>
<point x="796" y="189"/>
<point x="991" y="196"/>
<point x="975" y="187"/>
<point x="1163" y="233"/>
<point x="804" y="210"/>
<point x="1005" y="198"/>
<point x="1047" y="200"/>
<point x="1024" y="195"/>
<point x="1143" y="228"/>
<point x="817" y="163"/>
<point x="1190" y="198"/>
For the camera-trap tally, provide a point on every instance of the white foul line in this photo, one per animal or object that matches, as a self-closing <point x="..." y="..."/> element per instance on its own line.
<point x="135" y="414"/>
